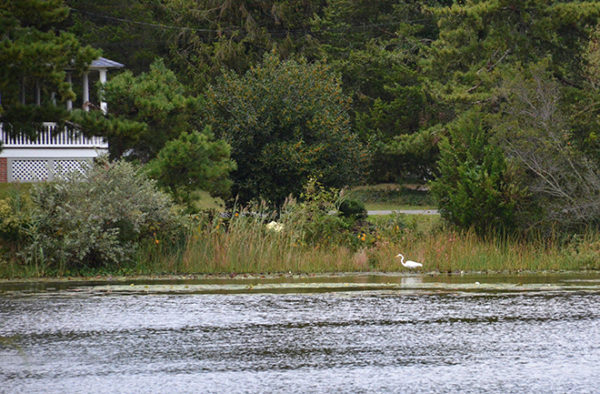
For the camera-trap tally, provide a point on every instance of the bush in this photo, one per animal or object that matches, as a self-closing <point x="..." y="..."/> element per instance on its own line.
<point x="313" y="216"/>
<point x="474" y="187"/>
<point x="351" y="208"/>
<point x="97" y="218"/>
<point x="15" y="217"/>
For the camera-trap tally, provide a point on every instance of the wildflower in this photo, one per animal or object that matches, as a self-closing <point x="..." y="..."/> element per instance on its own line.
<point x="274" y="226"/>
<point x="156" y="241"/>
<point x="236" y="214"/>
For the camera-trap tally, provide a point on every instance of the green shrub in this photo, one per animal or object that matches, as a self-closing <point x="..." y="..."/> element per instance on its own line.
<point x="351" y="208"/>
<point x="15" y="217"/>
<point x="97" y="218"/>
<point x="474" y="187"/>
<point x="313" y="217"/>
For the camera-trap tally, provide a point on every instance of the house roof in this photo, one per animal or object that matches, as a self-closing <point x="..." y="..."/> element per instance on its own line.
<point x="103" y="62"/>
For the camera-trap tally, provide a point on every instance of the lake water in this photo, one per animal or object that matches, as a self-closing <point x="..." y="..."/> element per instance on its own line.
<point x="341" y="334"/>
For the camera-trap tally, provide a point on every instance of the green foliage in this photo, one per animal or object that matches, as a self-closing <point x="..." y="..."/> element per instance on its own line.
<point x="106" y="25"/>
<point x="377" y="50"/>
<point x="286" y="121"/>
<point x="408" y="156"/>
<point x="234" y="35"/>
<point x="191" y="162"/>
<point x="145" y="112"/>
<point x="536" y="133"/>
<point x="15" y="217"/>
<point x="583" y="105"/>
<point x="392" y="195"/>
<point x="34" y="51"/>
<point x="352" y="208"/>
<point x="480" y="39"/>
<point x="97" y="219"/>
<point x="313" y="219"/>
<point x="474" y="186"/>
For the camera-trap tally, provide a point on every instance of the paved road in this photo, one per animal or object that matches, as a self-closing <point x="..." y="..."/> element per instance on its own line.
<point x="406" y="211"/>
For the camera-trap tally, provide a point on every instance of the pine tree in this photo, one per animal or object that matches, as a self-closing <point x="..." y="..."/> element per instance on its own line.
<point x="34" y="52"/>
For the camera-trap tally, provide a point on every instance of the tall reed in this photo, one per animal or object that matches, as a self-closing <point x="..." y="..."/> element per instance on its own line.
<point x="245" y="244"/>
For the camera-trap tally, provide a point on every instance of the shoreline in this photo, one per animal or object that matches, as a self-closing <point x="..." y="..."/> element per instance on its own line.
<point x="293" y="276"/>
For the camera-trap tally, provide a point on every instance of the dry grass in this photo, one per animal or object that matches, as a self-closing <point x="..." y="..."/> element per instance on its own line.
<point x="246" y="246"/>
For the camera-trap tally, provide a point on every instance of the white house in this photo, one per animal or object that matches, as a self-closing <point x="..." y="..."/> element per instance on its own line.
<point x="55" y="150"/>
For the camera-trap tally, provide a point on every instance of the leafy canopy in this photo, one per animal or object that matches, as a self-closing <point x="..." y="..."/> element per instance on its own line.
<point x="285" y="121"/>
<point x="475" y="187"/>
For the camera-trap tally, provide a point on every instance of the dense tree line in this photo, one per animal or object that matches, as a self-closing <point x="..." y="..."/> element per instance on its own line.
<point x="496" y="101"/>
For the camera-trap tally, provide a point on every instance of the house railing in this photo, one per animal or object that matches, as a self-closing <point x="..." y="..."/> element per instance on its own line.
<point x="51" y="136"/>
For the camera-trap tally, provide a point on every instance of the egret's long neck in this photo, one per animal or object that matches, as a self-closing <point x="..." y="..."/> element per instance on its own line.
<point x="402" y="260"/>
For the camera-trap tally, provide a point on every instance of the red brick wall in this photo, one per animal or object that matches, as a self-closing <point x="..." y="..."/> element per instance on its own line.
<point x="3" y="168"/>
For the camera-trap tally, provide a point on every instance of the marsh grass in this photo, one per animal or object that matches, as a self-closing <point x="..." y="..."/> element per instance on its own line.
<point x="244" y="245"/>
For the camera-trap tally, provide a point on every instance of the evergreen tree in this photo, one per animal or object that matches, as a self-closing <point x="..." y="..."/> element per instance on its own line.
<point x="35" y="53"/>
<point x="132" y="32"/>
<point x="476" y="187"/>
<point x="234" y="35"/>
<point x="146" y="111"/>
<point x="479" y="39"/>
<point x="377" y="49"/>
<point x="194" y="161"/>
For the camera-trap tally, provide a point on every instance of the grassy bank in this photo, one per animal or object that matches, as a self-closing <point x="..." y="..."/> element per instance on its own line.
<point x="309" y="240"/>
<point x="244" y="245"/>
<point x="441" y="251"/>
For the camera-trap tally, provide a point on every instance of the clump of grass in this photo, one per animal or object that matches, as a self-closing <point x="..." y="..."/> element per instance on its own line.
<point x="244" y="243"/>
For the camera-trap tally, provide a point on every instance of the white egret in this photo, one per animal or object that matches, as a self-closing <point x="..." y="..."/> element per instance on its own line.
<point x="409" y="263"/>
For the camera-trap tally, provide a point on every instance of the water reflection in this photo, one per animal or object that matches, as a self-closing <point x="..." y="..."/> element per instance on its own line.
<point x="384" y="340"/>
<point x="411" y="280"/>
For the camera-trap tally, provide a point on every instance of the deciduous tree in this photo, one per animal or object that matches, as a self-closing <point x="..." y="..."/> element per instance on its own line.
<point x="286" y="121"/>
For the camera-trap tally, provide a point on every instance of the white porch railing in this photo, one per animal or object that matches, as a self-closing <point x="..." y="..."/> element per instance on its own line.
<point x="51" y="137"/>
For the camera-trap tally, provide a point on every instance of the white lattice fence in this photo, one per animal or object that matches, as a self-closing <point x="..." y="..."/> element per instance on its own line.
<point x="34" y="170"/>
<point x="28" y="170"/>
<point x="63" y="167"/>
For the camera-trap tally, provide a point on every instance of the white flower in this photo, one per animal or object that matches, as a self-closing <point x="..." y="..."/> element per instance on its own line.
<point x="274" y="226"/>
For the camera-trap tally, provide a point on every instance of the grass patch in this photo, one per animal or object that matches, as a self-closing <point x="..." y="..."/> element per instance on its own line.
<point x="391" y="196"/>
<point x="420" y="224"/>
<point x="203" y="200"/>
<point x="391" y="206"/>
<point x="251" y="249"/>
<point x="246" y="246"/>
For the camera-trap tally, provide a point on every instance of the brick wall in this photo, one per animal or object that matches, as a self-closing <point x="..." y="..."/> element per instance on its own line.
<point x="3" y="168"/>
